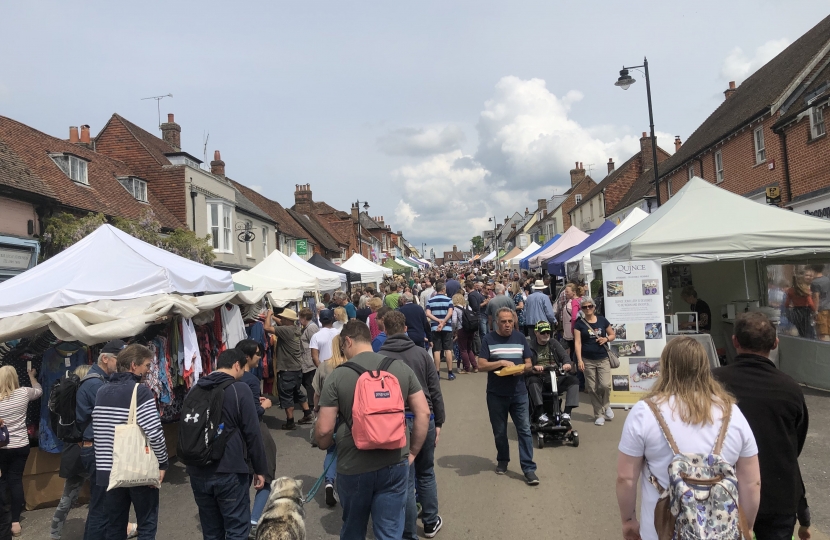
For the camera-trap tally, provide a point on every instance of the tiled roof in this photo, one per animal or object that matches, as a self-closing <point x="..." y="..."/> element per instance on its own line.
<point x="325" y="208"/>
<point x="288" y="226"/>
<point x="753" y="97"/>
<point x="643" y="187"/>
<point x="156" y="146"/>
<point x="15" y="174"/>
<point x="244" y="204"/>
<point x="817" y="86"/>
<point x="316" y="230"/>
<point x="104" y="193"/>
<point x="369" y="223"/>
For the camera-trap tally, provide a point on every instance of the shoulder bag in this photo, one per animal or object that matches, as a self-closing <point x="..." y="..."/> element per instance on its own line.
<point x="134" y="463"/>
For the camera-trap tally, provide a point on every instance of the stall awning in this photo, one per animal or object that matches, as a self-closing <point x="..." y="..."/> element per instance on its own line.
<point x="321" y="262"/>
<point x="529" y="250"/>
<point x="396" y="267"/>
<point x="583" y="258"/>
<point x="279" y="271"/>
<point x="316" y="270"/>
<point x="704" y="223"/>
<point x="569" y="239"/>
<point x="369" y="271"/>
<point x="556" y="267"/>
<point x="108" y="264"/>
<point x="524" y="263"/>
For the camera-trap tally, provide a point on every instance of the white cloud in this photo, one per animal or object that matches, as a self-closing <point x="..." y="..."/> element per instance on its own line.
<point x="737" y="66"/>
<point x="418" y="142"/>
<point x="527" y="144"/>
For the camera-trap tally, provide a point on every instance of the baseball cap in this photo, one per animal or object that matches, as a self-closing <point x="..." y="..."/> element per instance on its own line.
<point x="114" y="347"/>
<point x="326" y="316"/>
<point x="543" y="326"/>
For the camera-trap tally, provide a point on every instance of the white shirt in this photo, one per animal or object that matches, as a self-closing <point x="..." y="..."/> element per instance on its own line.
<point x="641" y="436"/>
<point x="13" y="412"/>
<point x="322" y="342"/>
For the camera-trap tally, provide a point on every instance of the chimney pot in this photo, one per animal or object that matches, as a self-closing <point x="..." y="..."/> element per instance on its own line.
<point x="729" y="91"/>
<point x="217" y="166"/>
<point x="645" y="135"/>
<point x="731" y="85"/>
<point x="171" y="133"/>
<point x="73" y="135"/>
<point x="610" y="165"/>
<point x="677" y="143"/>
<point x="85" y="134"/>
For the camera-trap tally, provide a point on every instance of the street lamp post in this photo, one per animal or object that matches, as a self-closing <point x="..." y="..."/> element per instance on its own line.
<point x="495" y="238"/>
<point x="359" y="241"/>
<point x="624" y="82"/>
<point x="423" y="250"/>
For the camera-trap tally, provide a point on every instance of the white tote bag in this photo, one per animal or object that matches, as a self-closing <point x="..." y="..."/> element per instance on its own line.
<point x="133" y="461"/>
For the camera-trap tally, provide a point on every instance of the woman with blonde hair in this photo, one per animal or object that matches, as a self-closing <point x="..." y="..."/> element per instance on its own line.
<point x="14" y="400"/>
<point x="694" y="407"/>
<point x="341" y="317"/>
<point x="325" y="369"/>
<point x="375" y="304"/>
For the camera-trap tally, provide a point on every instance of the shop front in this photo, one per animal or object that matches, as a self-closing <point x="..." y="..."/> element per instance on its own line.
<point x="17" y="255"/>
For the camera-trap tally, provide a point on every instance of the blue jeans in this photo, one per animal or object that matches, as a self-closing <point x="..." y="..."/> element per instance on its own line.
<point x="381" y="494"/>
<point x="96" y="519"/>
<point x="331" y="458"/>
<point x="224" y="505"/>
<point x="482" y="325"/>
<point x="71" y="487"/>
<point x="499" y="407"/>
<point x="145" y="501"/>
<point x="422" y="475"/>
<point x="260" y="500"/>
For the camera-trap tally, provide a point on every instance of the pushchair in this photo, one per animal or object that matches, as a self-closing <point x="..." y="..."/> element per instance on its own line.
<point x="556" y="429"/>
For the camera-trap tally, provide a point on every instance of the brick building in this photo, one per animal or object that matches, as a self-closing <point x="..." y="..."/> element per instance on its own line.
<point x="558" y="220"/>
<point x="768" y="132"/>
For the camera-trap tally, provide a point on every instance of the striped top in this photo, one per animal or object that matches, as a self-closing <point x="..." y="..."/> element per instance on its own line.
<point x="112" y="407"/>
<point x="13" y="413"/>
<point x="514" y="349"/>
<point x="439" y="305"/>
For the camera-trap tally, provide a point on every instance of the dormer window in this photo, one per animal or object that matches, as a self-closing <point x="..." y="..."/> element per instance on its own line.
<point x="72" y="166"/>
<point x="135" y="186"/>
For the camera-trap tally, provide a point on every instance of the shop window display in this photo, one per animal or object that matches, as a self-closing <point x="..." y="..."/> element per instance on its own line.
<point x="800" y="294"/>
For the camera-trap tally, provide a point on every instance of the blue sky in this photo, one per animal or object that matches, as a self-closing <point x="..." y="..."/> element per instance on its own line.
<point x="440" y="114"/>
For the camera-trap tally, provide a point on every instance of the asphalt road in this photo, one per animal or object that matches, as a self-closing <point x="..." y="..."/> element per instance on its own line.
<point x="575" y="499"/>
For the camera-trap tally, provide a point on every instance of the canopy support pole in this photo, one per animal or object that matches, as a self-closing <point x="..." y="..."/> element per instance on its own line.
<point x="746" y="282"/>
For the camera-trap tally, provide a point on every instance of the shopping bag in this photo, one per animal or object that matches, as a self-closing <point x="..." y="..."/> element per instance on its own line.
<point x="613" y="358"/>
<point x="133" y="461"/>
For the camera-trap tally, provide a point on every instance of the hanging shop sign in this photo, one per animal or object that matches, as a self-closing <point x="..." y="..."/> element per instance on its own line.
<point x="634" y="307"/>
<point x="301" y="247"/>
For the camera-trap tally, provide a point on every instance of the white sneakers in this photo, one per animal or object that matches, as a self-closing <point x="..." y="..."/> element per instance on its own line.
<point x="544" y="419"/>
<point x="599" y="421"/>
<point x="609" y="414"/>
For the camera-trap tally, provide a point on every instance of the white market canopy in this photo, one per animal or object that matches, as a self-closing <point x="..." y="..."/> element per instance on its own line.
<point x="314" y="270"/>
<point x="584" y="258"/>
<point x="570" y="238"/>
<point x="704" y="223"/>
<point x="369" y="271"/>
<point x="489" y="257"/>
<point x="404" y="262"/>
<point x="108" y="264"/>
<point x="279" y="271"/>
<point x="527" y="251"/>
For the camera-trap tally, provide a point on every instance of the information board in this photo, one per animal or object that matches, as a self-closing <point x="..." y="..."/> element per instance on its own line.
<point x="634" y="307"/>
<point x="302" y="247"/>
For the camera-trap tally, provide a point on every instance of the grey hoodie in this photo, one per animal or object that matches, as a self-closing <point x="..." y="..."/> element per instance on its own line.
<point x="418" y="359"/>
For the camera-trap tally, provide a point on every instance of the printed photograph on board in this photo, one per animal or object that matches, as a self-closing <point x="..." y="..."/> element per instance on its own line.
<point x="642" y="372"/>
<point x="650" y="287"/>
<point x="654" y="330"/>
<point x="614" y="289"/>
<point x="629" y="348"/>
<point x="619" y="383"/>
<point x="619" y="330"/>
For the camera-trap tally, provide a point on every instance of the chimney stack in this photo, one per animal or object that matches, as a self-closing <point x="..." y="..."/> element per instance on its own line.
<point x="85" y="134"/>
<point x="506" y="220"/>
<point x="302" y="199"/>
<point x="526" y="210"/>
<point x="355" y="211"/>
<point x="541" y="204"/>
<point x="677" y="143"/>
<point x="171" y="132"/>
<point x="73" y="135"/>
<point x="645" y="152"/>
<point x="217" y="166"/>
<point x="610" y="165"/>
<point x="577" y="174"/>
<point x="729" y="91"/>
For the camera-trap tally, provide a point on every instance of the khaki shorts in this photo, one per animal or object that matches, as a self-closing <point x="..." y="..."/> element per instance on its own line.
<point x="823" y="323"/>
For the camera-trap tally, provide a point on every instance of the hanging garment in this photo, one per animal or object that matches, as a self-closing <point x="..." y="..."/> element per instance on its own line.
<point x="256" y="332"/>
<point x="192" y="356"/>
<point x="55" y="363"/>
<point x="233" y="328"/>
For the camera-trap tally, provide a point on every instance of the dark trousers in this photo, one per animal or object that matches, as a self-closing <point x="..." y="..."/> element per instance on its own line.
<point x="465" y="347"/>
<point x="224" y="505"/>
<point x="5" y="511"/>
<point x="308" y="377"/>
<point x="567" y="385"/>
<point x="12" y="463"/>
<point x="96" y="519"/>
<point x="145" y="501"/>
<point x="517" y="407"/>
<point x="774" y="526"/>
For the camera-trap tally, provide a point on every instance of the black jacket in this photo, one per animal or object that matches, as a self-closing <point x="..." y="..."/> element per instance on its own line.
<point x="239" y="414"/>
<point x="417" y="324"/>
<point x="417" y="358"/>
<point x="774" y="406"/>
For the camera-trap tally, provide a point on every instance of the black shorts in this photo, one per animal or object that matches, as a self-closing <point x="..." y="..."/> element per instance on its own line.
<point x="289" y="388"/>
<point x="441" y="341"/>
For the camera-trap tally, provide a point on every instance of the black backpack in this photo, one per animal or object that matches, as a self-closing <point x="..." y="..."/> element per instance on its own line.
<point x="62" y="404"/>
<point x="202" y="435"/>
<point x="469" y="319"/>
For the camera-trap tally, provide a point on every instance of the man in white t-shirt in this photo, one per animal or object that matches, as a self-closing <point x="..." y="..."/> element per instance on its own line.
<point x="642" y="438"/>
<point x="320" y="343"/>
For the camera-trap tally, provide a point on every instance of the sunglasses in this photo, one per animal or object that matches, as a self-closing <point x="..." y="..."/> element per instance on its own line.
<point x="589" y="306"/>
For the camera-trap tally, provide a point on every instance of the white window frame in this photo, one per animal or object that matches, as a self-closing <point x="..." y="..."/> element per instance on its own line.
<point x="135" y="187"/>
<point x="72" y="166"/>
<point x="264" y="242"/>
<point x="668" y="187"/>
<point x="249" y="245"/>
<point x="718" y="167"/>
<point x="690" y="172"/>
<point x="223" y="237"/>
<point x="760" y="148"/>
<point x="578" y="198"/>
<point x="817" y="128"/>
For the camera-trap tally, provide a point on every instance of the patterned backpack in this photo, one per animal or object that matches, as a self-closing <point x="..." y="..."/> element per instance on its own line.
<point x="701" y="502"/>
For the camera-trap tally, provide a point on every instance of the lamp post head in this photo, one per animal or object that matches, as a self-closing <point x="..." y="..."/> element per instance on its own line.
<point x="366" y="206"/>
<point x="625" y="80"/>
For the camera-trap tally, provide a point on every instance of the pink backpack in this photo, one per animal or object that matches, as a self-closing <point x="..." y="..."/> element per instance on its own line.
<point x="378" y="421"/>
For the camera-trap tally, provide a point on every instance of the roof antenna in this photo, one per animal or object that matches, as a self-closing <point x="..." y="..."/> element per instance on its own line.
<point x="158" y="105"/>
<point x="590" y="166"/>
<point x="205" y="137"/>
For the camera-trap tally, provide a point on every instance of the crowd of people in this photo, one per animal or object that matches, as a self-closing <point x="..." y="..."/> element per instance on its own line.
<point x="400" y="335"/>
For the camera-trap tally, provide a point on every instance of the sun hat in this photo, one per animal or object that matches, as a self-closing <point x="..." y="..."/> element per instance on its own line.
<point x="539" y="285"/>
<point x="289" y="314"/>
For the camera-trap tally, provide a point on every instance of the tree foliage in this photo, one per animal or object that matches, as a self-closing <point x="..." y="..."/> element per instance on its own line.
<point x="64" y="229"/>
<point x="478" y="244"/>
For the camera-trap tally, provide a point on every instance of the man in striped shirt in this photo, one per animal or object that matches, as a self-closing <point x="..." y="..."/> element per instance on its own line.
<point x="505" y="348"/>
<point x="439" y="313"/>
<point x="112" y="406"/>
